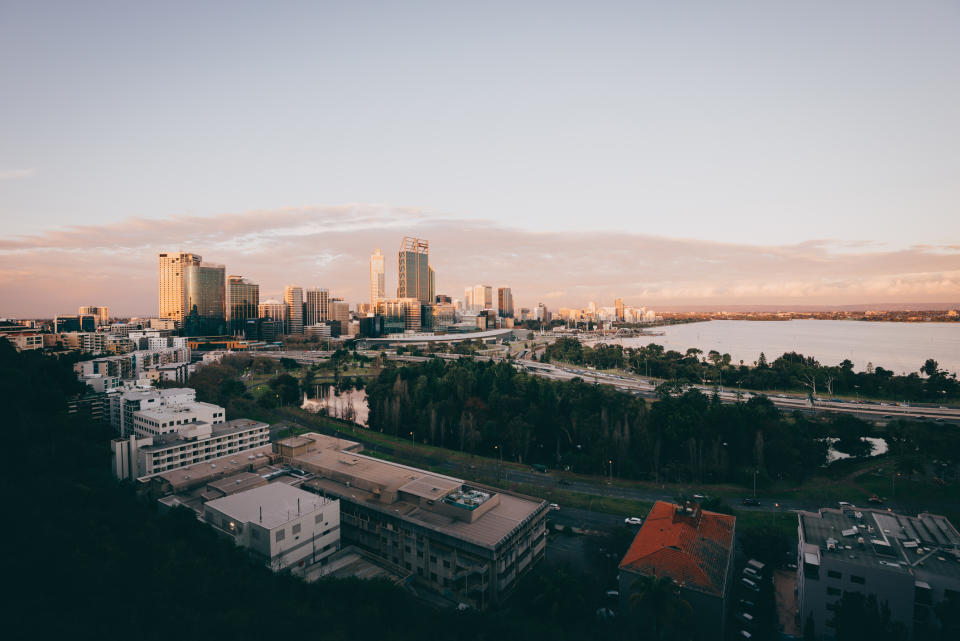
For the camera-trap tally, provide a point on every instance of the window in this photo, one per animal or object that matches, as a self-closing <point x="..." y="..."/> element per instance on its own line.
<point x="446" y="564"/>
<point x="833" y="574"/>
<point x="857" y="579"/>
<point x="255" y="534"/>
<point x="419" y="554"/>
<point x="433" y="558"/>
<point x="833" y="591"/>
<point x="295" y="529"/>
<point x="280" y="535"/>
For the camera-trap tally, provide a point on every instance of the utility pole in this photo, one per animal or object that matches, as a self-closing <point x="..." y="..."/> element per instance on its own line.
<point x="755" y="483"/>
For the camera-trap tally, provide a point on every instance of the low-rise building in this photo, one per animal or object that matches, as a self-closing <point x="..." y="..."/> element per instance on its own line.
<point x="139" y="457"/>
<point x="469" y="542"/>
<point x="284" y="526"/>
<point x="125" y="402"/>
<point x="693" y="547"/>
<point x="909" y="563"/>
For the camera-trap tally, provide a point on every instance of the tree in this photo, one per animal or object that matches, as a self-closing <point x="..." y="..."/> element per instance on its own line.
<point x="658" y="601"/>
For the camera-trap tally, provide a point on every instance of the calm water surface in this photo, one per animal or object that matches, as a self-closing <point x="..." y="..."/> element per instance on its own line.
<point x="901" y="347"/>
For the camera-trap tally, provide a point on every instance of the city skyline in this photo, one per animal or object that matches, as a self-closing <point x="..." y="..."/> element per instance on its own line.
<point x="116" y="263"/>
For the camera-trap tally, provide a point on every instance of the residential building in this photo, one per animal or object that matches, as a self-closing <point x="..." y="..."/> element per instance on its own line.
<point x="414" y="272"/>
<point x="24" y="340"/>
<point x="90" y="405"/>
<point x="693" y="547"/>
<point x="283" y="526"/>
<point x="100" y="312"/>
<point x="101" y="384"/>
<point x="191" y="419"/>
<point x="469" y="542"/>
<point x="316" y="306"/>
<point x="505" y="302"/>
<point x="137" y="457"/>
<point x="293" y="298"/>
<point x="378" y="287"/>
<point x="909" y="563"/>
<point x="132" y="365"/>
<point x="481" y="298"/>
<point x="243" y="302"/>
<point x="172" y="293"/>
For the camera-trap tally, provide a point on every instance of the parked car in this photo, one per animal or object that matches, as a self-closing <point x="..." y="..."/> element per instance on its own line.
<point x="563" y="482"/>
<point x="699" y="497"/>
<point x="746" y="604"/>
<point x="874" y="499"/>
<point x="750" y="585"/>
<point x="633" y="520"/>
<point x="554" y="506"/>
<point x="751" y="501"/>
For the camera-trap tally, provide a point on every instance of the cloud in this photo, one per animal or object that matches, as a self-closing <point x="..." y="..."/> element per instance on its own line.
<point x="329" y="246"/>
<point x="16" y="174"/>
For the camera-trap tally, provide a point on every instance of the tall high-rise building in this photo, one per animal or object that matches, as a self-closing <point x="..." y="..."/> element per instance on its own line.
<point x="414" y="269"/>
<point x="243" y="302"/>
<point x="173" y="303"/>
<point x="619" y="306"/>
<point x="378" y="287"/>
<point x="317" y="306"/>
<point x="431" y="284"/>
<point x="204" y="288"/>
<point x="482" y="297"/>
<point x="400" y="314"/>
<point x="293" y="297"/>
<point x="100" y="312"/>
<point x="468" y="299"/>
<point x="505" y="302"/>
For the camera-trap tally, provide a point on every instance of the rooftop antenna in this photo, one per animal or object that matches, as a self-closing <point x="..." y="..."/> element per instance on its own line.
<point x="298" y="506"/>
<point x="261" y="514"/>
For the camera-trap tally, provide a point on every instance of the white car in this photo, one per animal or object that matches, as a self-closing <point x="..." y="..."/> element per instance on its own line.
<point x="554" y="506"/>
<point x="633" y="520"/>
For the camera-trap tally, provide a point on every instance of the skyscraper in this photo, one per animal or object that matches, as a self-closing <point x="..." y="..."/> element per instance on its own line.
<point x="432" y="284"/>
<point x="317" y="306"/>
<point x="293" y="297"/>
<point x="414" y="269"/>
<point x="204" y="287"/>
<point x="482" y="297"/>
<point x="243" y="302"/>
<point x="619" y="305"/>
<point x="173" y="303"/>
<point x="505" y="302"/>
<point x="378" y="288"/>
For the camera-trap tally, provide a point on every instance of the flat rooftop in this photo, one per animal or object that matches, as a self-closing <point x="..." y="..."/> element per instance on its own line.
<point x="233" y="426"/>
<point x="271" y="505"/>
<point x="883" y="540"/>
<point x="172" y="412"/>
<point x="413" y="494"/>
<point x="202" y="473"/>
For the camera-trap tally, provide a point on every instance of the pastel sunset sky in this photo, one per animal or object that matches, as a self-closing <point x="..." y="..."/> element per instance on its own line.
<point x="673" y="154"/>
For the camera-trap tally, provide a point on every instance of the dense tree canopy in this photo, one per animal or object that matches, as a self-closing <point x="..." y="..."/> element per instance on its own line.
<point x="480" y="407"/>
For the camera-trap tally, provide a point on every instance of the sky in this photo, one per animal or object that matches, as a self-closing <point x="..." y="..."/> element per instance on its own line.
<point x="686" y="153"/>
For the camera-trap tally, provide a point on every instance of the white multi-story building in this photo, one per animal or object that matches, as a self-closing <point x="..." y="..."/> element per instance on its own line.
<point x="280" y="524"/>
<point x="131" y="366"/>
<point x="100" y="383"/>
<point x="293" y="297"/>
<point x="192" y="419"/>
<point x="124" y="403"/>
<point x="137" y="457"/>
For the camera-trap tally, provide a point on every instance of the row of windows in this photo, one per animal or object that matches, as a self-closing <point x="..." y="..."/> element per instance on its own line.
<point x="833" y="574"/>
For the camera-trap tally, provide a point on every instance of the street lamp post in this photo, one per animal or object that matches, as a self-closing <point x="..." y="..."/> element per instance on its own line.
<point x="857" y="388"/>
<point x="755" y="483"/>
<point x="893" y="483"/>
<point x="610" y="462"/>
<point x="500" y="466"/>
<point x="412" y="442"/>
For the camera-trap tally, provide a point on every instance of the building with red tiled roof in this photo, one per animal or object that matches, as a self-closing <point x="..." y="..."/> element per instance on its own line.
<point x="693" y="547"/>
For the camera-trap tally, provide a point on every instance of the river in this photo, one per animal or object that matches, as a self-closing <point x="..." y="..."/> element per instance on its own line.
<point x="901" y="347"/>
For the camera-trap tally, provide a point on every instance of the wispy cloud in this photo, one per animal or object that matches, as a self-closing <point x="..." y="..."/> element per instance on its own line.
<point x="16" y="174"/>
<point x="330" y="246"/>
